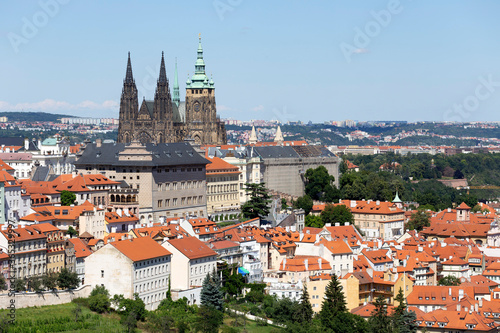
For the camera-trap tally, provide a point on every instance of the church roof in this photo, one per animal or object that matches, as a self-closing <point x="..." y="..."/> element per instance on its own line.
<point x="179" y="112"/>
<point x="163" y="154"/>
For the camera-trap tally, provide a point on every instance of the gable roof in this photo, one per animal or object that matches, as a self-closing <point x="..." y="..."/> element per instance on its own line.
<point x="139" y="249"/>
<point x="192" y="247"/>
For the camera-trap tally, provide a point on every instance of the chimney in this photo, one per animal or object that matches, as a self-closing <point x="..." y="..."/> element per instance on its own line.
<point x="26" y="144"/>
<point x="475" y="308"/>
<point x="458" y="307"/>
<point x="449" y="291"/>
<point x="337" y="224"/>
<point x="480" y="302"/>
<point x="378" y="202"/>
<point x="460" y="294"/>
<point x="319" y="264"/>
<point x="353" y="203"/>
<point x="347" y="223"/>
<point x="306" y="263"/>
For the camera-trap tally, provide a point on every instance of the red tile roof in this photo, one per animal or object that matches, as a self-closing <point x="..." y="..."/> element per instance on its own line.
<point x="298" y="264"/>
<point x="192" y="247"/>
<point x="81" y="249"/>
<point x="139" y="249"/>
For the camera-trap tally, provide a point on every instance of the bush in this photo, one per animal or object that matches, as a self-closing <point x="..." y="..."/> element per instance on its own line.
<point x="99" y="303"/>
<point x="99" y="290"/>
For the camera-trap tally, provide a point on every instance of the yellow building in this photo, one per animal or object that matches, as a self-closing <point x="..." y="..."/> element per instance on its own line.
<point x="405" y="283"/>
<point x="316" y="286"/>
<point x="222" y="186"/>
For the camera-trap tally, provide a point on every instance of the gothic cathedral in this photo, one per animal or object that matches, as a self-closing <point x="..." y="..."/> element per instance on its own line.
<point x="166" y="119"/>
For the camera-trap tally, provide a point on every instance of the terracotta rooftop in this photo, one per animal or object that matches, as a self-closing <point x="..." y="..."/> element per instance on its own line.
<point x="192" y="247"/>
<point x="139" y="249"/>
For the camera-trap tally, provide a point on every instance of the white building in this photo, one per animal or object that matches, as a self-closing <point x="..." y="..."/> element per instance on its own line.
<point x="14" y="204"/>
<point x="138" y="265"/>
<point x="192" y="260"/>
<point x="55" y="154"/>
<point x="30" y="247"/>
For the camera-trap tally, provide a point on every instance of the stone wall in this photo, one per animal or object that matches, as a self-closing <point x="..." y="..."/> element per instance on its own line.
<point x="286" y="174"/>
<point x="24" y="300"/>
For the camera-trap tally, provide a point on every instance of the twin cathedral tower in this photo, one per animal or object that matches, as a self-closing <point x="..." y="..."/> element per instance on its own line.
<point x="166" y="118"/>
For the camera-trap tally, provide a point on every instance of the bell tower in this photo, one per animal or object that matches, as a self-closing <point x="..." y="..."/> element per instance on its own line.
<point x="129" y="106"/>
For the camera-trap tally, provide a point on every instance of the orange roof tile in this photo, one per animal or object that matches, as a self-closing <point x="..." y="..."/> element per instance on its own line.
<point x="139" y="249"/>
<point x="192" y="247"/>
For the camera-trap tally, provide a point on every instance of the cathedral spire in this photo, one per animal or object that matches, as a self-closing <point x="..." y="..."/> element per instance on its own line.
<point x="199" y="79"/>
<point x="129" y="78"/>
<point x="176" y="96"/>
<point x="200" y="63"/>
<point x="163" y="72"/>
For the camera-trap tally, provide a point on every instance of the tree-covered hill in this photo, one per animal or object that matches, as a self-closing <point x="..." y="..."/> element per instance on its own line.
<point x="33" y="116"/>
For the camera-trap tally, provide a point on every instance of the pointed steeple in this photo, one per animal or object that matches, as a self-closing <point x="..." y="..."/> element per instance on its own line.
<point x="176" y="96"/>
<point x="129" y="78"/>
<point x="199" y="79"/>
<point x="279" y="136"/>
<point x="253" y="136"/>
<point x="163" y="72"/>
<point x="396" y="199"/>
<point x="200" y="63"/>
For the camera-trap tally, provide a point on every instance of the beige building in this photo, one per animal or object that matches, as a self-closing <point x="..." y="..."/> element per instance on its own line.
<point x="316" y="287"/>
<point x="223" y="183"/>
<point x="138" y="265"/>
<point x="170" y="177"/>
<point x="376" y="219"/>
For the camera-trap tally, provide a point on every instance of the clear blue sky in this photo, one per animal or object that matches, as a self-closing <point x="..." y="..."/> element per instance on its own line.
<point x="287" y="60"/>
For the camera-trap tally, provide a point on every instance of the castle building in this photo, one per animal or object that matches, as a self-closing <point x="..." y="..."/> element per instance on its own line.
<point x="167" y="119"/>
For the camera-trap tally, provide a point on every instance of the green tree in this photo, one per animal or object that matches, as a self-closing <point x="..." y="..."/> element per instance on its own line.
<point x="99" y="290"/>
<point x="318" y="182"/>
<point x="233" y="281"/>
<point x="35" y="283"/>
<point x="336" y="213"/>
<point x="314" y="221"/>
<point x="99" y="303"/>
<point x="304" y="312"/>
<point x="135" y="306"/>
<point x="334" y="301"/>
<point x="305" y="202"/>
<point x="72" y="232"/>
<point x="99" y="299"/>
<point x="258" y="205"/>
<point x="400" y="298"/>
<point x="449" y="280"/>
<point x="67" y="279"/>
<point x="379" y="320"/>
<point x="211" y="294"/>
<point x="419" y="220"/>
<point x="209" y="319"/>
<point x="407" y="322"/>
<point x="49" y="281"/>
<point x="67" y="198"/>
<point x="284" y="204"/>
<point x="182" y="314"/>
<point x="3" y="282"/>
<point x="129" y="321"/>
<point x="19" y="285"/>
